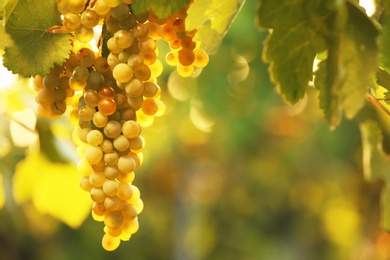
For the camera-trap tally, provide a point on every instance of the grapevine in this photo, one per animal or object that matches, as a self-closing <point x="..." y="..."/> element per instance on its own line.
<point x="112" y="96"/>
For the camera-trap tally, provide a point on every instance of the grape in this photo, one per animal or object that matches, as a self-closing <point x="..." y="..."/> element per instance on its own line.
<point x="85" y="184"/>
<point x="121" y="143"/>
<point x="186" y="57"/>
<point x="111" y="171"/>
<point x="107" y="146"/>
<point x="156" y="69"/>
<point x="99" y="209"/>
<point x="111" y="3"/>
<point x="84" y="167"/>
<point x="130" y="226"/>
<point x="110" y="243"/>
<point x="112" y="129"/>
<point x="107" y="92"/>
<point x="125" y="191"/>
<point x="95" y="137"/>
<point x="83" y="34"/>
<point x="123" y="39"/>
<point x="134" y="88"/>
<point x="111" y="187"/>
<point x="126" y="177"/>
<point x="146" y="45"/>
<point x="142" y="72"/>
<point x="98" y="195"/>
<point x="140" y="30"/>
<point x="135" y="60"/>
<point x="150" y="89"/>
<point x="148" y="58"/>
<point x="131" y="129"/>
<point x="135" y="102"/>
<point x="185" y="71"/>
<point x="86" y="57"/>
<point x="120" y="12"/>
<point x="101" y="8"/>
<point x="149" y="107"/>
<point x="91" y="98"/>
<point x="101" y="65"/>
<point x="172" y="58"/>
<point x="111" y="158"/>
<point x="129" y="212"/>
<point x="113" y="47"/>
<point x="89" y="18"/>
<point x="154" y="30"/>
<point x="86" y="113"/>
<point x="122" y="72"/>
<point x="111" y="203"/>
<point x="71" y="21"/>
<point x="99" y="120"/>
<point x="126" y="164"/>
<point x="136" y="143"/>
<point x="93" y="154"/>
<point x="97" y="179"/>
<point x="201" y="58"/>
<point x="107" y="106"/>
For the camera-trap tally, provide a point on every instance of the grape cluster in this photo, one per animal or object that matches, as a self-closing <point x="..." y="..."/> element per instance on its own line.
<point x="110" y="99"/>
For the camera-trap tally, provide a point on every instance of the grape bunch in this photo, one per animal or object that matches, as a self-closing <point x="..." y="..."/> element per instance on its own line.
<point x="111" y="96"/>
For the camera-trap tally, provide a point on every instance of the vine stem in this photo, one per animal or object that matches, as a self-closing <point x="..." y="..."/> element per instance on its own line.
<point x="375" y="101"/>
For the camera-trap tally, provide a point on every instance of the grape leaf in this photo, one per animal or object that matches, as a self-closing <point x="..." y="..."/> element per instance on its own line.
<point x="376" y="164"/>
<point x="6" y="8"/>
<point x="53" y="188"/>
<point x="344" y="77"/>
<point x="34" y="50"/>
<point x="161" y="8"/>
<point x="385" y="39"/>
<point x="212" y="19"/>
<point x="296" y="38"/>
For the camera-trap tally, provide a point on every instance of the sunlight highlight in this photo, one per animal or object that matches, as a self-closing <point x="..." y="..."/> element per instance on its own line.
<point x="369" y="5"/>
<point x="7" y="78"/>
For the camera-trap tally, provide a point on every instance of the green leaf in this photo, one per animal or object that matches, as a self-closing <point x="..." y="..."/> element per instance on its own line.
<point x="376" y="163"/>
<point x="296" y="38"/>
<point x="6" y="8"/>
<point x="161" y="8"/>
<point x="34" y="50"/>
<point x="212" y="19"/>
<point x="344" y="77"/>
<point x="385" y="40"/>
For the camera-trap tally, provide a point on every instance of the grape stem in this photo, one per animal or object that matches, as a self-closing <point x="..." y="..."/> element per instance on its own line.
<point x="375" y="101"/>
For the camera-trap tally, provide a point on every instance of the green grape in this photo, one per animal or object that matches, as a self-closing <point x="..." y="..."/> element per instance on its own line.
<point x="98" y="195"/>
<point x="85" y="184"/>
<point x="97" y="179"/>
<point x="107" y="146"/>
<point x="121" y="143"/>
<point x="111" y="188"/>
<point x="201" y="58"/>
<point x="84" y="167"/>
<point x="125" y="191"/>
<point x="71" y="21"/>
<point x="93" y="154"/>
<point x="129" y="212"/>
<point x="86" y="113"/>
<point x="120" y="12"/>
<point x="83" y="34"/>
<point x="130" y="226"/>
<point x="140" y="30"/>
<point x="122" y="72"/>
<point x="112" y="129"/>
<point x="95" y="137"/>
<point x="134" y="88"/>
<point x="150" y="89"/>
<point x="101" y="8"/>
<point x="135" y="60"/>
<point x="126" y="164"/>
<point x="136" y="143"/>
<point x="111" y="172"/>
<point x="89" y="18"/>
<point x="112" y="203"/>
<point x="146" y="45"/>
<point x="111" y="158"/>
<point x="149" y="107"/>
<point x="110" y="243"/>
<point x="123" y="39"/>
<point x="99" y="120"/>
<point x="86" y="57"/>
<point x="131" y="129"/>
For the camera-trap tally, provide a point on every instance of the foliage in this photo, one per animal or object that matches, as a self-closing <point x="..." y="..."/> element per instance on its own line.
<point x="239" y="151"/>
<point x="28" y="27"/>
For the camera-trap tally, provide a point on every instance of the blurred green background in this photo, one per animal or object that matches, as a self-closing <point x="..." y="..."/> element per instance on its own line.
<point x="229" y="172"/>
